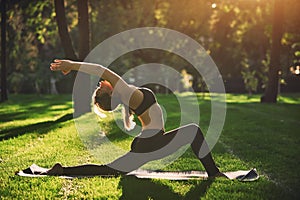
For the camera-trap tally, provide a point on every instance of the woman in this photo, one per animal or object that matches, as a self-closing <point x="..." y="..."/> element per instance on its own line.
<point x="152" y="143"/>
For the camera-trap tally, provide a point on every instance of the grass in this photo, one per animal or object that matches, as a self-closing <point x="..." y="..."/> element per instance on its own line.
<point x="40" y="129"/>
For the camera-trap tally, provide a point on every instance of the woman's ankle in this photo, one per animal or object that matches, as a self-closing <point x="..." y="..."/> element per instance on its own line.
<point x="217" y="174"/>
<point x="56" y="170"/>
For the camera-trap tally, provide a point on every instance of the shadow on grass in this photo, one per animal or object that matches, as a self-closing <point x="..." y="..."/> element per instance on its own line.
<point x="134" y="188"/>
<point x="41" y="128"/>
<point x="6" y="117"/>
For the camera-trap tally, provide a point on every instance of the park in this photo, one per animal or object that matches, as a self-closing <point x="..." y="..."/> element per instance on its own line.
<point x="230" y="67"/>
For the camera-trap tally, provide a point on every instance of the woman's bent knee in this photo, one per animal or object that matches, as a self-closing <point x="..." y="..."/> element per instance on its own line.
<point x="193" y="127"/>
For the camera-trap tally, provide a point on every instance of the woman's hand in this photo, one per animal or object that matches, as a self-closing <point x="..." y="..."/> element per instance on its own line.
<point x="65" y="66"/>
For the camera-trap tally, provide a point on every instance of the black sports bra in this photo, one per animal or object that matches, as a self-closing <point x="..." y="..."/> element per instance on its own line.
<point x="149" y="100"/>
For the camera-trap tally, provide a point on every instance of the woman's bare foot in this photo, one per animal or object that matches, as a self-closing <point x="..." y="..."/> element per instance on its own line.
<point x="56" y="170"/>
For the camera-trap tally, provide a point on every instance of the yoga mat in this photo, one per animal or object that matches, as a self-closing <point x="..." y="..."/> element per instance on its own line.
<point x="241" y="175"/>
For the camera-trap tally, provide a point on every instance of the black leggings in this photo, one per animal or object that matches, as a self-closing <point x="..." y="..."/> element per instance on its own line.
<point x="153" y="145"/>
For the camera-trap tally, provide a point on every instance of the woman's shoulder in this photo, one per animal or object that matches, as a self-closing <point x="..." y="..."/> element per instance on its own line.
<point x="131" y="96"/>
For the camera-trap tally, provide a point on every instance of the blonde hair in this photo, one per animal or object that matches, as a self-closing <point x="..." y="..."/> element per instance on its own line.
<point x="102" y="102"/>
<point x="128" y="118"/>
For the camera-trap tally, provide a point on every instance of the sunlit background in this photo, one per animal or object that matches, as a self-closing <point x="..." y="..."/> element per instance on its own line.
<point x="236" y="33"/>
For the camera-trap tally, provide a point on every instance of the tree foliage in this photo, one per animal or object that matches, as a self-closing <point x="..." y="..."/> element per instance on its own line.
<point x="234" y="32"/>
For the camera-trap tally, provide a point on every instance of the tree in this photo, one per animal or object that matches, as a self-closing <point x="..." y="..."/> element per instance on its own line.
<point x="64" y="35"/>
<point x="31" y="43"/>
<point x="82" y="99"/>
<point x="3" y="89"/>
<point x="82" y="94"/>
<point x="271" y="92"/>
<point x="232" y="31"/>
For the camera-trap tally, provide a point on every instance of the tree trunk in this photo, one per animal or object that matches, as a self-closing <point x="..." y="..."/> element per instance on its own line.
<point x="81" y="85"/>
<point x="3" y="90"/>
<point x="63" y="30"/>
<point x="81" y="90"/>
<point x="66" y="84"/>
<point x="271" y="92"/>
<point x="84" y="31"/>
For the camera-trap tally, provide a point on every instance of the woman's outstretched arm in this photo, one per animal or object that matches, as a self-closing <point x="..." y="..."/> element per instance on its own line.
<point x="128" y="93"/>
<point x="65" y="66"/>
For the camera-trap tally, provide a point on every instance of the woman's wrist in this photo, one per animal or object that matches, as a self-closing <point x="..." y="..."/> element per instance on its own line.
<point x="75" y="65"/>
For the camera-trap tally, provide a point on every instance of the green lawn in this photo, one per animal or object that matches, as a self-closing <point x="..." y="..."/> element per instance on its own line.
<point x="41" y="130"/>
